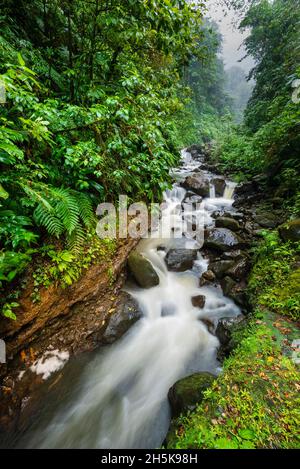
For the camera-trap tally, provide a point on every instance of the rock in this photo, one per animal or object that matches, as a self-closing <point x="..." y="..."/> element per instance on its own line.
<point x="198" y="301"/>
<point x="290" y="231"/>
<point x="187" y="393"/>
<point x="126" y="313"/>
<point x="245" y="188"/>
<point x="235" y="290"/>
<point x="219" y="268"/>
<point x="222" y="239"/>
<point x="193" y="200"/>
<point x="226" y="326"/>
<point x="267" y="219"/>
<point x="235" y="255"/>
<point x="209" y="324"/>
<point x="198" y="184"/>
<point x="230" y="223"/>
<point x="240" y="269"/>
<point x="227" y="333"/>
<point x="180" y="260"/>
<point x="206" y="278"/>
<point x="219" y="184"/>
<point x="142" y="270"/>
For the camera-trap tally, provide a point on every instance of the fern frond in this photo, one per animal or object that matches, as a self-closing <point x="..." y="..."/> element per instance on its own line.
<point x="85" y="206"/>
<point x="48" y="219"/>
<point x="76" y="239"/>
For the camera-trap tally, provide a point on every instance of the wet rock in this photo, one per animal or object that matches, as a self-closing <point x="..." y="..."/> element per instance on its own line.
<point x="220" y="185"/>
<point x="226" y="222"/>
<point x="290" y="231"/>
<point x="235" y="290"/>
<point x="187" y="393"/>
<point x="180" y="260"/>
<point x="193" y="200"/>
<point x="227" y="332"/>
<point x="142" y="270"/>
<point x="206" y="278"/>
<point x="198" y="301"/>
<point x="219" y="268"/>
<point x="240" y="269"/>
<point x="267" y="219"/>
<point x="198" y="184"/>
<point x="209" y="324"/>
<point x="225" y="328"/>
<point x="125" y="314"/>
<point x="234" y="255"/>
<point x="245" y="188"/>
<point x="222" y="239"/>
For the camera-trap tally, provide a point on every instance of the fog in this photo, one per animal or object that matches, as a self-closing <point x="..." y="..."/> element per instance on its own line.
<point x="233" y="49"/>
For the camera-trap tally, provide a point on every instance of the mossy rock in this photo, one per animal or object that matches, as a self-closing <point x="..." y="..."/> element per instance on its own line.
<point x="142" y="270"/>
<point x="188" y="392"/>
<point x="290" y="231"/>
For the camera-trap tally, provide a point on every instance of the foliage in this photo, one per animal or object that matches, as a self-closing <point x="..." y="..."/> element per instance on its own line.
<point x="275" y="278"/>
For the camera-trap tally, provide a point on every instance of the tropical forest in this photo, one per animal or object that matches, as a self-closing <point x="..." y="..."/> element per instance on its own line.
<point x="150" y="226"/>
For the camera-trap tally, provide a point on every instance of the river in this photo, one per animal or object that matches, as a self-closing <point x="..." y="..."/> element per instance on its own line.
<point x="117" y="397"/>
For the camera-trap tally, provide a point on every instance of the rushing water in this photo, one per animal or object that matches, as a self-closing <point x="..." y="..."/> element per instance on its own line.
<point x="120" y="400"/>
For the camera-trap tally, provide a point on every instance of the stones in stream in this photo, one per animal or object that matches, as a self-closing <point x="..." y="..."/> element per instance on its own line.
<point x="222" y="239"/>
<point x="198" y="301"/>
<point x="126" y="312"/>
<point x="226" y="222"/>
<point x="180" y="260"/>
<point x="198" y="183"/>
<point x="142" y="270"/>
<point x="206" y="278"/>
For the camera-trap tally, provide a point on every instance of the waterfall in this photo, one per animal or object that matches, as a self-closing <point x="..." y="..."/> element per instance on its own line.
<point x="212" y="191"/>
<point x="229" y="190"/>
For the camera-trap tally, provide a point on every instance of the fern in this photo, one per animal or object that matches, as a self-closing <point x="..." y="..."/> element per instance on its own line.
<point x="62" y="211"/>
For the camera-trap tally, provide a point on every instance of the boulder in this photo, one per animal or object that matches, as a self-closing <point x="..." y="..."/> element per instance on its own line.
<point x="198" y="184"/>
<point x="245" y="188"/>
<point x="238" y="254"/>
<point x="290" y="231"/>
<point x="142" y="270"/>
<point x="206" y="278"/>
<point x="267" y="219"/>
<point x="180" y="260"/>
<point x="219" y="268"/>
<point x="222" y="239"/>
<point x="187" y="393"/>
<point x="240" y="269"/>
<point x="235" y="290"/>
<point x="227" y="332"/>
<point x="126" y="313"/>
<point x="226" y="222"/>
<point x="219" y="184"/>
<point x="198" y="301"/>
<point x="193" y="200"/>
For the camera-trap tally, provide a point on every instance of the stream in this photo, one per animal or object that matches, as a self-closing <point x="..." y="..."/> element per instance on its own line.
<point x="116" y="397"/>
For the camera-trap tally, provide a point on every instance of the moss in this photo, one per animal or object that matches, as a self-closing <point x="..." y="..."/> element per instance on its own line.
<point x="255" y="402"/>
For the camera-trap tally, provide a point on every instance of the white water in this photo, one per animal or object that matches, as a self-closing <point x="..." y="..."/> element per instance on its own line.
<point x="122" y="402"/>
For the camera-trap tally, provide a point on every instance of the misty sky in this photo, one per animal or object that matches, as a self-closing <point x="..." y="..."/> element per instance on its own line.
<point x="233" y="49"/>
